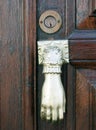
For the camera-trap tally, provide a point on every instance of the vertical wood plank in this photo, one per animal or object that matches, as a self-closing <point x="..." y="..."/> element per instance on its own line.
<point x="71" y="97"/>
<point x="70" y="16"/>
<point x="29" y="95"/>
<point x="11" y="32"/>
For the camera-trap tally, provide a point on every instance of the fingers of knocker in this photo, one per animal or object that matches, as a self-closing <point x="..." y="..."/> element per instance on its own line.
<point x="53" y="114"/>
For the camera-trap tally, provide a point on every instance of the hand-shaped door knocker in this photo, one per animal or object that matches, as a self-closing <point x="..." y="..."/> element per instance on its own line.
<point x="52" y="54"/>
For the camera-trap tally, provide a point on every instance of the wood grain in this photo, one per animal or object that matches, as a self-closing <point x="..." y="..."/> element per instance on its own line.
<point x="89" y="76"/>
<point x="29" y="70"/>
<point x="84" y="63"/>
<point x="11" y="47"/>
<point x="82" y="44"/>
<point x="71" y="97"/>
<point x="17" y="53"/>
<point x="21" y="77"/>
<point x="82" y="103"/>
<point x="82" y="49"/>
<point x="88" y="23"/>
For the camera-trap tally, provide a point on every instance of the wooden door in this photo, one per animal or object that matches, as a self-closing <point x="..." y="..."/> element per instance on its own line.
<point x="21" y="77"/>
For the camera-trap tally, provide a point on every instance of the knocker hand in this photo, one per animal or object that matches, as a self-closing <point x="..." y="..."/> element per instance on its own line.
<point x="53" y="95"/>
<point x="53" y="98"/>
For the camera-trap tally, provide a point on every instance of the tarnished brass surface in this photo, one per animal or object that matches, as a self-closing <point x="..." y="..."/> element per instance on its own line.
<point x="50" y="21"/>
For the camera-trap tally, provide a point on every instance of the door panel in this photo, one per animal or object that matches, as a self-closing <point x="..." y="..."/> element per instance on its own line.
<point x="84" y="10"/>
<point x="83" y="102"/>
<point x="85" y="99"/>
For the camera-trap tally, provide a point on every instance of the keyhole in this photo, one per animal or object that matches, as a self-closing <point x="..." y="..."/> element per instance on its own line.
<point x="50" y="22"/>
<point x="50" y="25"/>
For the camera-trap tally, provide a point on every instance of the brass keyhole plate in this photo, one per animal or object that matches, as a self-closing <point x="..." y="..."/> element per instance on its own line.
<point x="50" y="21"/>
